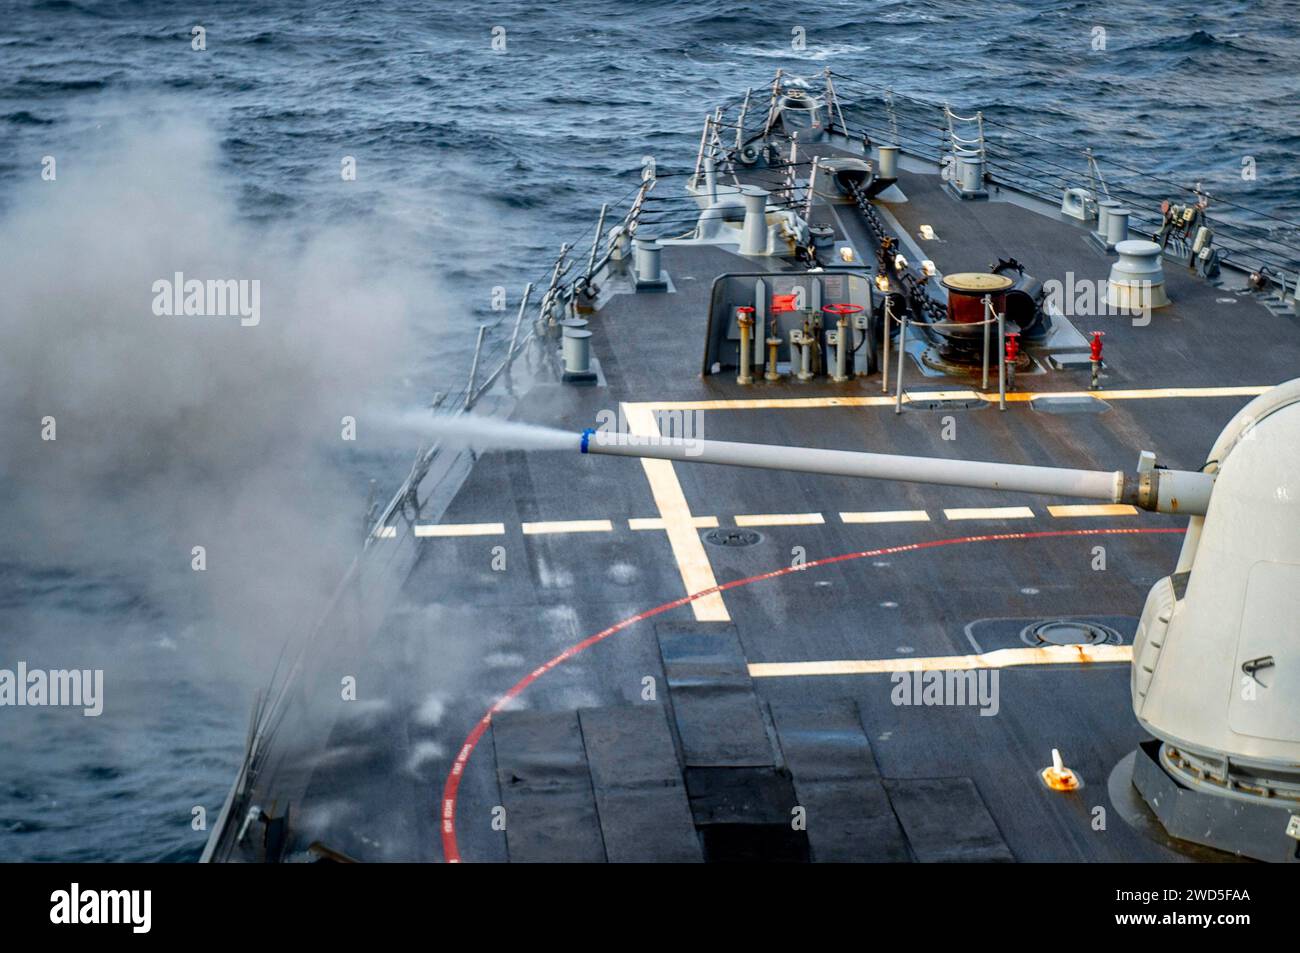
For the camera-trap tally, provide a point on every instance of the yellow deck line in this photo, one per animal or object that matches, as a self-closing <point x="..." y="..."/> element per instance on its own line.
<point x="1002" y="658"/>
<point x="886" y="516"/>
<point x="568" y="526"/>
<point x="1093" y="509"/>
<point x="990" y="513"/>
<point x="460" y="529"/>
<point x="688" y="549"/>
<point x="781" y="519"/>
<point x="654" y="522"/>
<point x="801" y="403"/>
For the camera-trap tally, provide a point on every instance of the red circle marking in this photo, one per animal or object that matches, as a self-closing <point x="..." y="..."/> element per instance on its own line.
<point x="450" y="848"/>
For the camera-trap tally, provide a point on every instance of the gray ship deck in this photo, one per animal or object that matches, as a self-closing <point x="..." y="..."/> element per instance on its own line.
<point x="587" y="767"/>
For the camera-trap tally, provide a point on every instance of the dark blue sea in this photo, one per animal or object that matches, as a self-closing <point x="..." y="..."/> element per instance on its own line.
<point x="472" y="164"/>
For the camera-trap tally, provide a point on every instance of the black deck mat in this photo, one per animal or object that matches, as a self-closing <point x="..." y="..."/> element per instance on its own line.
<point x="849" y="817"/>
<point x="717" y="714"/>
<point x="546" y="788"/>
<point x="946" y="821"/>
<point x="644" y="813"/>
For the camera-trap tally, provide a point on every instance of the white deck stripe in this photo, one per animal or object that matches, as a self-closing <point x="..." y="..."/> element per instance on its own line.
<point x="460" y="529"/>
<point x="781" y="519"/>
<point x="887" y="516"/>
<point x="1093" y="509"/>
<point x="990" y="513"/>
<point x="567" y="526"/>
<point x="654" y="522"/>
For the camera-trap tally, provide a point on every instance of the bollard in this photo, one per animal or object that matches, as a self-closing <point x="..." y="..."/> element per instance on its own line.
<point x="1103" y="218"/>
<point x="772" y="374"/>
<point x="888" y="165"/>
<point x="753" y="233"/>
<point x="649" y="274"/>
<point x="968" y="178"/>
<point x="745" y="318"/>
<point x="577" y="354"/>
<point x="1096" y="360"/>
<point x="1117" y="226"/>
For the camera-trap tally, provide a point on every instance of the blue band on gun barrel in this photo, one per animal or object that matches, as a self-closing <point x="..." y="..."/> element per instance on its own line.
<point x="586" y="435"/>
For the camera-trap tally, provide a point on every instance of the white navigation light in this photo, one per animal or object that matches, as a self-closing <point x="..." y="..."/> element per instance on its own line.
<point x="846" y="253"/>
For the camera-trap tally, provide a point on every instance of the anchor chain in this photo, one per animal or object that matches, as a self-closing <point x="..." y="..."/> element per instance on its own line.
<point x="912" y="281"/>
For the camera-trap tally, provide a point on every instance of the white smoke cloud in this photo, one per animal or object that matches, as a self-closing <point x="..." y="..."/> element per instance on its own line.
<point x="183" y="431"/>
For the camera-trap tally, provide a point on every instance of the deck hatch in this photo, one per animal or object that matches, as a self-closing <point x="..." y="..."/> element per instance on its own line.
<point x="1069" y="405"/>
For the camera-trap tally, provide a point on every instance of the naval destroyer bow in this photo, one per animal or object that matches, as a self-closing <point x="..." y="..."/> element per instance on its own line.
<point x="1056" y="622"/>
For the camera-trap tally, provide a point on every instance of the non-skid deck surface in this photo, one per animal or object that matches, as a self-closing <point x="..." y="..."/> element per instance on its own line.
<point x="876" y="779"/>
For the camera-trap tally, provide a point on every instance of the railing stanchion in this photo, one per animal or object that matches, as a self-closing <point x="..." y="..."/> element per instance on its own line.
<point x="473" y="368"/>
<point x="514" y="336"/>
<point x="902" y="353"/>
<point x="988" y="317"/>
<point x="1002" y="364"/>
<point x="884" y="364"/>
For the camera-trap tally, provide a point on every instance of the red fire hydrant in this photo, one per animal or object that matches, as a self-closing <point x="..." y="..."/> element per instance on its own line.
<point x="1096" y="360"/>
<point x="1013" y="352"/>
<point x="1013" y="347"/>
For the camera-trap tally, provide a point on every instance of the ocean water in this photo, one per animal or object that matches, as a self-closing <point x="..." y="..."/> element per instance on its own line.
<point x="472" y="164"/>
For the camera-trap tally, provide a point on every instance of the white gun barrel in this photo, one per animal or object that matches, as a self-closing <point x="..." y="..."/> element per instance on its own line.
<point x="1165" y="491"/>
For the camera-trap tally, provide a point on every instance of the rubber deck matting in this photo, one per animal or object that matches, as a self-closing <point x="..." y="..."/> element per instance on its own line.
<point x="546" y="787"/>
<point x="644" y="813"/>
<point x="946" y="821"/>
<point x="849" y="817"/>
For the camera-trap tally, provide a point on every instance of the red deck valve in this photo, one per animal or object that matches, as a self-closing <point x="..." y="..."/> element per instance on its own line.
<point x="1096" y="360"/>
<point x="1013" y="347"/>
